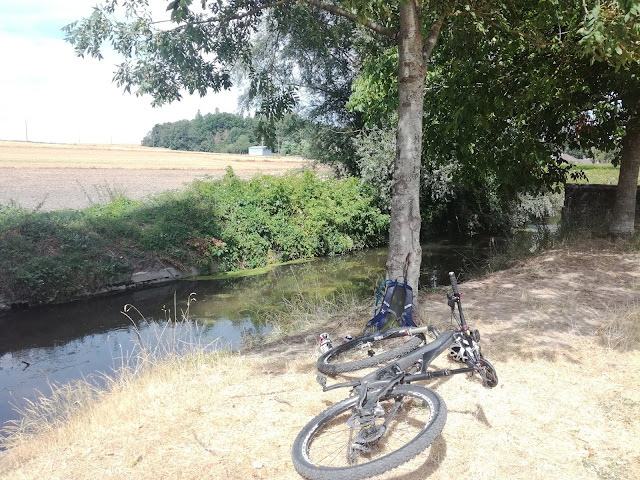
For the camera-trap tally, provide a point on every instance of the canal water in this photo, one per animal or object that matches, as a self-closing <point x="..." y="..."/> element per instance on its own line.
<point x="58" y="344"/>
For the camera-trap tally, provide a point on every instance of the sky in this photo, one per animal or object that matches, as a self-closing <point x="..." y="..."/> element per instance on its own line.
<point x="47" y="94"/>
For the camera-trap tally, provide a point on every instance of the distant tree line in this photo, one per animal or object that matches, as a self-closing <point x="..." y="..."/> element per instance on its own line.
<point x="218" y="132"/>
<point x="227" y="133"/>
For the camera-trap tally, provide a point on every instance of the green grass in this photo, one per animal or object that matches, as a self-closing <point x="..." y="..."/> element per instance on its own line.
<point x="598" y="174"/>
<point x="216" y="226"/>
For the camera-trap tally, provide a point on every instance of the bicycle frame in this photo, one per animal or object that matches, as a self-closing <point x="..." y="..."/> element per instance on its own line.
<point x="413" y="366"/>
<point x="420" y="358"/>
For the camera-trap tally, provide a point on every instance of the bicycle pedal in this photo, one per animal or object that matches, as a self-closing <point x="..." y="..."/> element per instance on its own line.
<point x="322" y="380"/>
<point x="324" y="343"/>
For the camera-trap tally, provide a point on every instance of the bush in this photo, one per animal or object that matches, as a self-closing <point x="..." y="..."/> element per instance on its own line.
<point x="535" y="209"/>
<point x="53" y="256"/>
<point x="215" y="225"/>
<point x="447" y="203"/>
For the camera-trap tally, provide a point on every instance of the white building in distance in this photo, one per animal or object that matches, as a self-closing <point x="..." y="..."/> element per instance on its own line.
<point x="259" y="150"/>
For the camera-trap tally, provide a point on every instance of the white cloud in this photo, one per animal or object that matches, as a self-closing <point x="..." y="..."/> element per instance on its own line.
<point x="45" y="18"/>
<point x="63" y="98"/>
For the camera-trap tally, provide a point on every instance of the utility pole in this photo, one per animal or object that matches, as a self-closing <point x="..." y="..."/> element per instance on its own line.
<point x="26" y="131"/>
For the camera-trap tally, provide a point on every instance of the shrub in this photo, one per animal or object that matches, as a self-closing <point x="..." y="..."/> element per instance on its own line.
<point x="216" y="225"/>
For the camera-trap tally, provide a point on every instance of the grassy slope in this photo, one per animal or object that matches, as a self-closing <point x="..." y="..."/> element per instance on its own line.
<point x="600" y="174"/>
<point x="214" y="226"/>
<point x="566" y="407"/>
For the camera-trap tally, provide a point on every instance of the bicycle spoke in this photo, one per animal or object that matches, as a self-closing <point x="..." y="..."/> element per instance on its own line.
<point x="335" y="455"/>
<point x="331" y="444"/>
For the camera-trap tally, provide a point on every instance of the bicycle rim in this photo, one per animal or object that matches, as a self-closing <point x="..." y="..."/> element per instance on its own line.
<point x="329" y="448"/>
<point x="365" y="352"/>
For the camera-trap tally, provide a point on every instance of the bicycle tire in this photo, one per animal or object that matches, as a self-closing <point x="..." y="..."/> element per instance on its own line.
<point x="490" y="373"/>
<point x="309" y="454"/>
<point x="354" y="354"/>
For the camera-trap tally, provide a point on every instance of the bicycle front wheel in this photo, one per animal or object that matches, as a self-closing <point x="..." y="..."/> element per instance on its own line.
<point x="488" y="373"/>
<point x="367" y="351"/>
<point x="328" y="447"/>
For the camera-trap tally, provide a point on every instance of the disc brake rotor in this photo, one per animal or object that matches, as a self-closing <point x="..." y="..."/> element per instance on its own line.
<point x="458" y="352"/>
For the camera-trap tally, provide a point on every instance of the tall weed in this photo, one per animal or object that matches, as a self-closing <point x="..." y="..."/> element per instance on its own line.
<point x="168" y="344"/>
<point x="622" y="330"/>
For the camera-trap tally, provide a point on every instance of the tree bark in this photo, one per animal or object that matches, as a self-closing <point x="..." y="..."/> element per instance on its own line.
<point x="405" y="253"/>
<point x="624" y="210"/>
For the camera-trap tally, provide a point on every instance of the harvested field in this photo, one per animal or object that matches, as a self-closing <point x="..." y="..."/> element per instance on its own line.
<point x="567" y="406"/>
<point x="55" y="176"/>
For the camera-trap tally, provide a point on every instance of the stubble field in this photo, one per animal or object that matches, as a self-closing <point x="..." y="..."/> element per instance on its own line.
<point x="57" y="176"/>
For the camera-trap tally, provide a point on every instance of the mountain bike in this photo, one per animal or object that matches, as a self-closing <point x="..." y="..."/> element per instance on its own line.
<point x="387" y="421"/>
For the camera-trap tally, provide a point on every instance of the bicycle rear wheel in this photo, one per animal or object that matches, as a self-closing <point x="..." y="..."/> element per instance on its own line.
<point x="367" y="351"/>
<point x="327" y="447"/>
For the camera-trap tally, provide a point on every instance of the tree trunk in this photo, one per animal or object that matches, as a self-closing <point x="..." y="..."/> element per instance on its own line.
<point x="405" y="253"/>
<point x="624" y="210"/>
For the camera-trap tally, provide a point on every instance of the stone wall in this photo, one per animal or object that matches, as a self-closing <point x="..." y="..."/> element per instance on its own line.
<point x="591" y="203"/>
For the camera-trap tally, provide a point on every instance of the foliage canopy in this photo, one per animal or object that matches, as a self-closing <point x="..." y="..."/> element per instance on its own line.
<point x="219" y="132"/>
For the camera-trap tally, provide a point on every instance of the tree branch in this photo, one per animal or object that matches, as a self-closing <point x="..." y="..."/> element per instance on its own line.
<point x="376" y="27"/>
<point x="586" y="9"/>
<point x="308" y="86"/>
<point x="431" y="40"/>
<point x="238" y="16"/>
<point x="532" y="38"/>
<point x="255" y="10"/>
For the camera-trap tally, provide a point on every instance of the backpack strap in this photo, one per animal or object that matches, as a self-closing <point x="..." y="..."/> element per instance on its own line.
<point x="395" y="297"/>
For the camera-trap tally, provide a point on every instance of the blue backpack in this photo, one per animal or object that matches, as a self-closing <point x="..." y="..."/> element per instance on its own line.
<point x="395" y="307"/>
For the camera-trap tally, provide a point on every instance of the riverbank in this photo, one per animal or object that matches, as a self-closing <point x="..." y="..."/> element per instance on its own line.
<point x="566" y="407"/>
<point x="208" y="227"/>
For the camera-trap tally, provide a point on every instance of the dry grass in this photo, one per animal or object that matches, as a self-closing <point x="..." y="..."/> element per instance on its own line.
<point x="57" y="176"/>
<point x="47" y="155"/>
<point x="622" y="330"/>
<point x="167" y="343"/>
<point x="304" y="314"/>
<point x="567" y="407"/>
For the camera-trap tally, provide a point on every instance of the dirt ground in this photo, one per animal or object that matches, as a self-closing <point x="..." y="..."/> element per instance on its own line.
<point x="567" y="406"/>
<point x="54" y="176"/>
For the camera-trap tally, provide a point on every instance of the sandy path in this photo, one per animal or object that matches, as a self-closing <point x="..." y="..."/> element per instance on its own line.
<point x="53" y="177"/>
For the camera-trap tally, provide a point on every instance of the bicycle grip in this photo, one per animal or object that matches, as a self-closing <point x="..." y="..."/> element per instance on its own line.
<point x="454" y="283"/>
